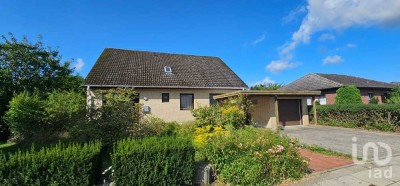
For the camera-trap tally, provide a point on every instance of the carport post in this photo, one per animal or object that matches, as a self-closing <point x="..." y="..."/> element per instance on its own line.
<point x="276" y="113"/>
<point x="315" y="111"/>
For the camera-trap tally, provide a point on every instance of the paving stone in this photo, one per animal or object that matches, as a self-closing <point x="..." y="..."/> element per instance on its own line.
<point x="331" y="183"/>
<point x="350" y="180"/>
<point x="365" y="176"/>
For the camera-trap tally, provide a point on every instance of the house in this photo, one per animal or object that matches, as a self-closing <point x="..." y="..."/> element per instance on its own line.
<point x="169" y="85"/>
<point x="276" y="108"/>
<point x="329" y="83"/>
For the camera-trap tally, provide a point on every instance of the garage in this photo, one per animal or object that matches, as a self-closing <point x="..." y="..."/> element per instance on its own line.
<point x="275" y="108"/>
<point x="289" y="112"/>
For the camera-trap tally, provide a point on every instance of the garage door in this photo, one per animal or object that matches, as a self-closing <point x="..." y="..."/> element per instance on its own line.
<point x="289" y="112"/>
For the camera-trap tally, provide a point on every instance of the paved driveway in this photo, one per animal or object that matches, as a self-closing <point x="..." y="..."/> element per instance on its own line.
<point x="341" y="139"/>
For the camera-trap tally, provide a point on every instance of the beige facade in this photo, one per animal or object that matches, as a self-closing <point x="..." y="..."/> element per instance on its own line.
<point x="264" y="112"/>
<point x="168" y="111"/>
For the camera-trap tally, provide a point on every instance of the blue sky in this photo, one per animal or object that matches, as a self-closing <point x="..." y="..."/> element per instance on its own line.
<point x="262" y="41"/>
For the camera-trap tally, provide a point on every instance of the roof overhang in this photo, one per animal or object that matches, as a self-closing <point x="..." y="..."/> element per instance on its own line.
<point x="268" y="93"/>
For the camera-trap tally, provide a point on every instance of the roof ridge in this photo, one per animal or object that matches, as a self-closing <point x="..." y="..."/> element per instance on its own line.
<point x="154" y="52"/>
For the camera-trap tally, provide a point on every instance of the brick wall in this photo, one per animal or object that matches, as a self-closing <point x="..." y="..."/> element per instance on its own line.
<point x="331" y="94"/>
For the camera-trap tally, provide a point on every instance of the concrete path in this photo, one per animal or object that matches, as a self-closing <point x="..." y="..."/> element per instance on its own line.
<point x="340" y="139"/>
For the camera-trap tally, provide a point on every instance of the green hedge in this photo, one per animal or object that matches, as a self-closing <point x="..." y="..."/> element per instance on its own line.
<point x="385" y="117"/>
<point x="165" y="160"/>
<point x="72" y="164"/>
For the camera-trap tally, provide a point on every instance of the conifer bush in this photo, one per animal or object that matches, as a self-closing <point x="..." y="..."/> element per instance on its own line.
<point x="167" y="160"/>
<point x="61" y="164"/>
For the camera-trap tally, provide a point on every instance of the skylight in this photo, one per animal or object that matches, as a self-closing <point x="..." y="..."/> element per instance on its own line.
<point x="167" y="69"/>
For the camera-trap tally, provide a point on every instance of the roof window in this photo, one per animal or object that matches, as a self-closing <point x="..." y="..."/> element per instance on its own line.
<point x="167" y="69"/>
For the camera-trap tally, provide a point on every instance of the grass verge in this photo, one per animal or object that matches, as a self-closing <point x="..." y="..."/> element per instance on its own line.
<point x="325" y="151"/>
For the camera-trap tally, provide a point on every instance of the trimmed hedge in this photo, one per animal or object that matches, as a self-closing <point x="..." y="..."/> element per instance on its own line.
<point x="72" y="164"/>
<point x="167" y="160"/>
<point x="384" y="117"/>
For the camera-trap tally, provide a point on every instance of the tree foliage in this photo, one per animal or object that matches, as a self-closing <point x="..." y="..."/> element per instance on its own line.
<point x="394" y="96"/>
<point x="348" y="95"/>
<point x="29" y="67"/>
<point x="267" y="86"/>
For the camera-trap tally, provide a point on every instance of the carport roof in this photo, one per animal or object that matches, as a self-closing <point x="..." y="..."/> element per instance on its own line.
<point x="269" y="93"/>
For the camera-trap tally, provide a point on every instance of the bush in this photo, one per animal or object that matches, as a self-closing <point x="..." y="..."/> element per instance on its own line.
<point x="348" y="95"/>
<point x="374" y="100"/>
<point x="232" y="111"/>
<point x="251" y="156"/>
<point x="114" y="120"/>
<point x="154" y="161"/>
<point x="384" y="117"/>
<point x="32" y="118"/>
<point x="26" y="117"/>
<point x="151" y="125"/>
<point x="59" y="165"/>
<point x="394" y="97"/>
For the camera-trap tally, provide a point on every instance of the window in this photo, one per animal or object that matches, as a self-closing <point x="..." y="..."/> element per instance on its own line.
<point x="167" y="69"/>
<point x="212" y="100"/>
<point x="370" y="96"/>
<point x="187" y="101"/>
<point x="322" y="99"/>
<point x="165" y="97"/>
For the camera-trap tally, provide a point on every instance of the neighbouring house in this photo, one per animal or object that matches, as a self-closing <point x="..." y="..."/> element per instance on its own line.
<point x="169" y="85"/>
<point x="329" y="83"/>
<point x="395" y="83"/>
<point x="272" y="108"/>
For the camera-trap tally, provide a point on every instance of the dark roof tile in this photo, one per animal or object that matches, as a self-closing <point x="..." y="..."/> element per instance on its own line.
<point x="117" y="67"/>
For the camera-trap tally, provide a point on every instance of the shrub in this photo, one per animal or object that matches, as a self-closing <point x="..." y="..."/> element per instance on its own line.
<point x="384" y="117"/>
<point x="64" y="108"/>
<point x="374" y="100"/>
<point x="26" y="117"/>
<point x="394" y="97"/>
<point x="348" y="95"/>
<point x="251" y="156"/>
<point x="232" y="111"/>
<point x="114" y="120"/>
<point x="151" y="125"/>
<point x="154" y="161"/>
<point x="35" y="119"/>
<point x="59" y="165"/>
<point x="208" y="115"/>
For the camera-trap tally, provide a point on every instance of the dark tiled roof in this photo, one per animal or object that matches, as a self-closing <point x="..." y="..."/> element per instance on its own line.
<point x="396" y="83"/>
<point x="117" y="67"/>
<point x="318" y="81"/>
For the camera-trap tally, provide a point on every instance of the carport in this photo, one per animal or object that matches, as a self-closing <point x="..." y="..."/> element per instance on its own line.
<point x="277" y="108"/>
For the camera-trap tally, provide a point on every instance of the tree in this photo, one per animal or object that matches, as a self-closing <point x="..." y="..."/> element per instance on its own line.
<point x="394" y="96"/>
<point x="266" y="86"/>
<point x="348" y="95"/>
<point x="26" y="67"/>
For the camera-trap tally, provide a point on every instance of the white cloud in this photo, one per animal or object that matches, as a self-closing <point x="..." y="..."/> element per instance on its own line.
<point x="351" y="45"/>
<point x="259" y="40"/>
<point x="329" y="60"/>
<point x="326" y="37"/>
<point x="265" y="81"/>
<point x="347" y="46"/>
<point x="339" y="15"/>
<point x="79" y="64"/>
<point x="294" y="14"/>
<point x="280" y="65"/>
